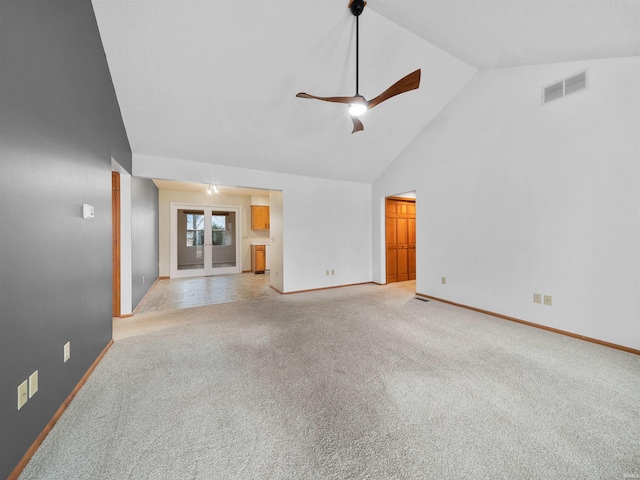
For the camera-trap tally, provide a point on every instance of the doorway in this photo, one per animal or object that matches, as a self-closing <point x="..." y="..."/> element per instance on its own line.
<point x="400" y="227"/>
<point x="205" y="240"/>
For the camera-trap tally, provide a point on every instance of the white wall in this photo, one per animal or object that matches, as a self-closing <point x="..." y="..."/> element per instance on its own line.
<point x="126" y="251"/>
<point x="166" y="197"/>
<point x="276" y="249"/>
<point x="514" y="198"/>
<point x="260" y="200"/>
<point x="326" y="224"/>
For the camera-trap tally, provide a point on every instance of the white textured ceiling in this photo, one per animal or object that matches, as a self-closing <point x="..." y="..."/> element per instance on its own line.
<point x="215" y="80"/>
<point x="507" y="33"/>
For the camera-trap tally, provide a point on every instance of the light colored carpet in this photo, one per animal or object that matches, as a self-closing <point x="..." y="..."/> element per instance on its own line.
<point x="359" y="382"/>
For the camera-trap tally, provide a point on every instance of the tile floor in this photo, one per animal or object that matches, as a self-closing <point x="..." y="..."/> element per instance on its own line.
<point x="178" y="293"/>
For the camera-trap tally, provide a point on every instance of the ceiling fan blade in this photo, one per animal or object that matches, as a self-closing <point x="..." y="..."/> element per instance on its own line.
<point x="405" y="84"/>
<point x="332" y="99"/>
<point x="357" y="124"/>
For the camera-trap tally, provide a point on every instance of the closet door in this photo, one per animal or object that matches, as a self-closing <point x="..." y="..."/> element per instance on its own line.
<point x="411" y="235"/>
<point x="400" y="240"/>
<point x="392" y="241"/>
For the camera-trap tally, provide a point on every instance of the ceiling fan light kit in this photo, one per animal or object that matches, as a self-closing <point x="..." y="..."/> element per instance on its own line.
<point x="357" y="109"/>
<point x="358" y="104"/>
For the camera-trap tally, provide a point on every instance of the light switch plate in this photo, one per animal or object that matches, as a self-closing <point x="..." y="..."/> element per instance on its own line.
<point x="33" y="383"/>
<point x="548" y="300"/>
<point x="23" y="395"/>
<point x="67" y="351"/>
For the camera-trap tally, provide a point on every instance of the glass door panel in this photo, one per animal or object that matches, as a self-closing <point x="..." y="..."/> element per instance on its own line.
<point x="191" y="239"/>
<point x="223" y="239"/>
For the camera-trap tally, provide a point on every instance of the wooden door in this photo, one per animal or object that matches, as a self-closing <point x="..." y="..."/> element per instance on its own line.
<point x="411" y="235"/>
<point x="392" y="243"/>
<point x="400" y="239"/>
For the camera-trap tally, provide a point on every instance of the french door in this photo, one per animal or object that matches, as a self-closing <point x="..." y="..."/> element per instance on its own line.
<point x="205" y="240"/>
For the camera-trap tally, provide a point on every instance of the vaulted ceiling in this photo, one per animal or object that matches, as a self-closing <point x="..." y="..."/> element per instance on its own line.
<point x="215" y="80"/>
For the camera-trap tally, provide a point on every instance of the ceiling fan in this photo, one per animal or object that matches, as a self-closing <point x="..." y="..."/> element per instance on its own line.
<point x="359" y="104"/>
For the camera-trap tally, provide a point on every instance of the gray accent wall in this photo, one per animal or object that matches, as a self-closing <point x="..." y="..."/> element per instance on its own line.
<point x="144" y="233"/>
<point x="60" y="124"/>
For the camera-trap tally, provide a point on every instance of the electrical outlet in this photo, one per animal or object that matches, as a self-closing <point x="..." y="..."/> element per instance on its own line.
<point x="333" y="272"/>
<point x="537" y="298"/>
<point x="33" y="383"/>
<point x="443" y="280"/>
<point x="548" y="300"/>
<point x="67" y="351"/>
<point x="327" y="273"/>
<point x="23" y="395"/>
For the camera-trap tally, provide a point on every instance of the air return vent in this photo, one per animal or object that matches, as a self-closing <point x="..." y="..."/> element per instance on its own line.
<point x="553" y="92"/>
<point x="565" y="87"/>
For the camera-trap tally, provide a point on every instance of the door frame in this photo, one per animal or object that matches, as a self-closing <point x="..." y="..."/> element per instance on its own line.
<point x="115" y="244"/>
<point x="173" y="243"/>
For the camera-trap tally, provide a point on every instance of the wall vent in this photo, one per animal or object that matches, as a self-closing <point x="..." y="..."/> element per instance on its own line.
<point x="565" y="87"/>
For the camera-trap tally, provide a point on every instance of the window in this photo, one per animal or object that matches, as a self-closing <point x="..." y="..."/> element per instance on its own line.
<point x="195" y="229"/>
<point x="219" y="233"/>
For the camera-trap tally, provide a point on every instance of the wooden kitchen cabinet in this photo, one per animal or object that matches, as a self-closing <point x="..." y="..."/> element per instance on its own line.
<point x="259" y="217"/>
<point x="258" y="258"/>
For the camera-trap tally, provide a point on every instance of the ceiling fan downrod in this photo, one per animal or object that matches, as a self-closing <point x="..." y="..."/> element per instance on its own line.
<point x="357" y="7"/>
<point x="357" y="55"/>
